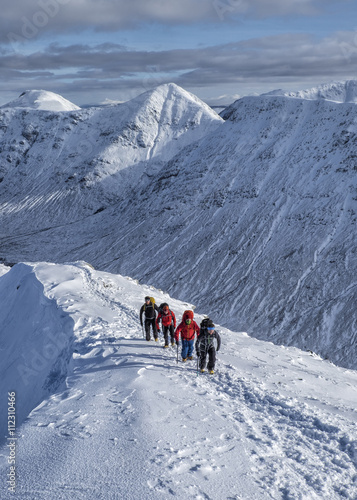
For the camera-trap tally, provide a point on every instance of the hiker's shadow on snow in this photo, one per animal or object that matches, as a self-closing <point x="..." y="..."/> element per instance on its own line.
<point x="118" y="360"/>
<point x="125" y="364"/>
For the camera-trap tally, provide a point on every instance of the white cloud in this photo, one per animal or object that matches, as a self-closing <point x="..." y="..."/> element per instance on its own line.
<point x="262" y="62"/>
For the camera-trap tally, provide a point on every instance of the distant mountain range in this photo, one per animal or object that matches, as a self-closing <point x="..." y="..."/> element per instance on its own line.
<point x="338" y="91"/>
<point x="252" y="217"/>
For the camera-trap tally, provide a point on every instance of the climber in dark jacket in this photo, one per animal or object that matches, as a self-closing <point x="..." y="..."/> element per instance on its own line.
<point x="205" y="345"/>
<point x="149" y="309"/>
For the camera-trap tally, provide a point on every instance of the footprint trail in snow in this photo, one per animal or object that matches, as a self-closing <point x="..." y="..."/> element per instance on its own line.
<point x="133" y="423"/>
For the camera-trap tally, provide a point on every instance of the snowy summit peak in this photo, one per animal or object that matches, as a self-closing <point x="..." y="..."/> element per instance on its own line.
<point x="168" y="90"/>
<point x="43" y="100"/>
<point x="160" y="96"/>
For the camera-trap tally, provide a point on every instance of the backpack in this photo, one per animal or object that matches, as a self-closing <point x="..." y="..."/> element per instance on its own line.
<point x="205" y="322"/>
<point x="161" y="307"/>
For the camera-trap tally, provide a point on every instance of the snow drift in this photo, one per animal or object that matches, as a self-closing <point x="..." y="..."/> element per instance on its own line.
<point x="35" y="343"/>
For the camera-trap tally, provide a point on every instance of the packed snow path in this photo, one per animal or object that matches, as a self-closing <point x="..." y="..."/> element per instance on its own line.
<point x="132" y="423"/>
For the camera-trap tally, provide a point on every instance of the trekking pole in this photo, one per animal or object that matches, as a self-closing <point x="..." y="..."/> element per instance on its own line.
<point x="143" y="331"/>
<point x="177" y="353"/>
<point x="197" y="364"/>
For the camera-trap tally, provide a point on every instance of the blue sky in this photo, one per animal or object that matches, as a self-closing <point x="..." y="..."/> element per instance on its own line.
<point x="90" y="51"/>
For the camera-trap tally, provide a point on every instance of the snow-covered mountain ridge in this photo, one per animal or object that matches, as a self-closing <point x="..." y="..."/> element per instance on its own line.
<point x="345" y="91"/>
<point x="121" y="418"/>
<point x="74" y="163"/>
<point x="253" y="219"/>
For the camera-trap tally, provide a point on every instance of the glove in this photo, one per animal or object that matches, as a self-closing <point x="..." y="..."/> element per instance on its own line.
<point x="158" y="330"/>
<point x="217" y="350"/>
<point x="176" y="342"/>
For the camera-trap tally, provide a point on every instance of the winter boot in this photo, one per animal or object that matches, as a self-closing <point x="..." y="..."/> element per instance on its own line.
<point x="202" y="370"/>
<point x="184" y="360"/>
<point x="211" y="372"/>
<point x="190" y="357"/>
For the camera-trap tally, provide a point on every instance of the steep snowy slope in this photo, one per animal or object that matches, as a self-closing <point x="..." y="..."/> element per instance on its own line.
<point x="268" y="238"/>
<point x="345" y="91"/>
<point x="131" y="423"/>
<point x="41" y="99"/>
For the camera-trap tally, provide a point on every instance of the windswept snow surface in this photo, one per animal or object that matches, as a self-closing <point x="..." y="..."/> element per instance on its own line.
<point x="132" y="423"/>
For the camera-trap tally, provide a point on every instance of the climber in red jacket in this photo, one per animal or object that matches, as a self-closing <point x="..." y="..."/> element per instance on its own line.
<point x="188" y="329"/>
<point x="168" y="321"/>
